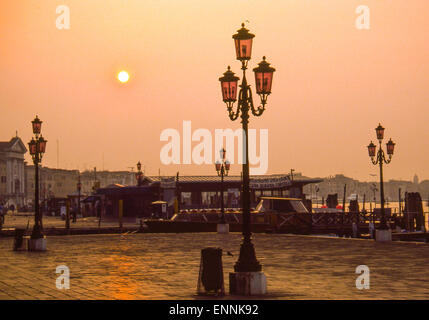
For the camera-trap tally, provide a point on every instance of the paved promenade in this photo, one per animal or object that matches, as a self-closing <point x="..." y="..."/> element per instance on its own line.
<point x="21" y="220"/>
<point x="165" y="266"/>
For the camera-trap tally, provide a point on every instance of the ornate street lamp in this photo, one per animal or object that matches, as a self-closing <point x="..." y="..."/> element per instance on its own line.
<point x="139" y="174"/>
<point x="380" y="159"/>
<point x="37" y="125"/>
<point x="247" y="261"/>
<point x="222" y="168"/>
<point x="37" y="147"/>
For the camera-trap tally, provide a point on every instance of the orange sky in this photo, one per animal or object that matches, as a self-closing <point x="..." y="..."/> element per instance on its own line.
<point x="332" y="86"/>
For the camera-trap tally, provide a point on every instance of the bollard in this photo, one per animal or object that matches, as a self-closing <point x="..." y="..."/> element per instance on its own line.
<point x="210" y="279"/>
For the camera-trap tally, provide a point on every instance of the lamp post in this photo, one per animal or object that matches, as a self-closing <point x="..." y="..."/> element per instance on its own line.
<point x="139" y="174"/>
<point x="79" y="188"/>
<point x="37" y="147"/>
<point x="247" y="261"/>
<point x="380" y="159"/>
<point x="317" y="190"/>
<point x="222" y="168"/>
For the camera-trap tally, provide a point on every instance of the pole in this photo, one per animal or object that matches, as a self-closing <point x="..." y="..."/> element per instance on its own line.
<point x="383" y="224"/>
<point x="178" y="194"/>
<point x="78" y="201"/>
<point x="37" y="232"/>
<point x="399" y="202"/>
<point x="247" y="261"/>
<point x="344" y="210"/>
<point x="67" y="215"/>
<point x="120" y="213"/>
<point x="363" y="204"/>
<point x="222" y="205"/>
<point x="317" y="206"/>
<point x="344" y="198"/>
<point x="159" y="189"/>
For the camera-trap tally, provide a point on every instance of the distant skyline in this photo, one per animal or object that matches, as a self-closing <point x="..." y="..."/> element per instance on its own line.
<point x="332" y="87"/>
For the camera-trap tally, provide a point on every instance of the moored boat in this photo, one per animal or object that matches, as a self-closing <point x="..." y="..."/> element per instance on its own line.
<point x="272" y="214"/>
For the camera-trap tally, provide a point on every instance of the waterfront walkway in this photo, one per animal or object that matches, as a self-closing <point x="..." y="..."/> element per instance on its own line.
<point x="166" y="266"/>
<point x="56" y="226"/>
<point x="21" y="220"/>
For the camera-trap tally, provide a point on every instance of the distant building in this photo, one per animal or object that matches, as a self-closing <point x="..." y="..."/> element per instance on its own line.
<point x="416" y="179"/>
<point x="92" y="180"/>
<point x="58" y="183"/>
<point x="12" y="172"/>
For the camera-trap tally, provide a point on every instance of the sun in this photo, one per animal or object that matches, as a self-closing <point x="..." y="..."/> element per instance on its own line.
<point x="123" y="76"/>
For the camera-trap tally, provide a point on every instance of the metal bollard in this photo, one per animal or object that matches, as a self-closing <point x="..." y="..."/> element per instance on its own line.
<point x="210" y="280"/>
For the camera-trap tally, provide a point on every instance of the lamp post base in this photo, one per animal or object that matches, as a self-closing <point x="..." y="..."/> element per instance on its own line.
<point x="383" y="235"/>
<point x="38" y="244"/>
<point x="223" y="228"/>
<point x="247" y="283"/>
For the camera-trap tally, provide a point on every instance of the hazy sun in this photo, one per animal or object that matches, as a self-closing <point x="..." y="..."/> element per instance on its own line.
<point x="123" y="76"/>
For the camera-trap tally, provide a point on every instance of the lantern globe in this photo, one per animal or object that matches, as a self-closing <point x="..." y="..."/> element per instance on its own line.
<point x="32" y="147"/>
<point x="228" y="83"/>
<point x="243" y="43"/>
<point x="263" y="77"/>
<point x="390" y="147"/>
<point x="371" y="149"/>
<point x="41" y="145"/>
<point x="227" y="165"/>
<point x="37" y="125"/>
<point x="380" y="132"/>
<point x="217" y="165"/>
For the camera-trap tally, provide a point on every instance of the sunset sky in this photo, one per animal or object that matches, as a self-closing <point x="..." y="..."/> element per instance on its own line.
<point x="333" y="84"/>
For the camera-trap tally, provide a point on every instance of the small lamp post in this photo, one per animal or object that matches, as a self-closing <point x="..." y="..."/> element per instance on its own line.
<point x="139" y="174"/>
<point x="317" y="190"/>
<point x="222" y="168"/>
<point x="383" y="233"/>
<point x="247" y="268"/>
<point x="79" y="188"/>
<point x="37" y="147"/>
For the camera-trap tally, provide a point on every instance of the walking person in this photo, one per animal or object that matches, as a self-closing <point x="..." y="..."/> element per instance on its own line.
<point x="74" y="213"/>
<point x="2" y="214"/>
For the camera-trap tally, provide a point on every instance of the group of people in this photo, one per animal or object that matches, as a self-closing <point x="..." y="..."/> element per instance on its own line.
<point x="3" y="212"/>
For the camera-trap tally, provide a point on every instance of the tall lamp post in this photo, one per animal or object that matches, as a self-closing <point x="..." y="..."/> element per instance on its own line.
<point x="79" y="188"/>
<point x="222" y="168"/>
<point x="383" y="233"/>
<point x="139" y="174"/>
<point x="37" y="147"/>
<point x="247" y="261"/>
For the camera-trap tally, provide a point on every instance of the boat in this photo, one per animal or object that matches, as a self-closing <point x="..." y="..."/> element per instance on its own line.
<point x="271" y="215"/>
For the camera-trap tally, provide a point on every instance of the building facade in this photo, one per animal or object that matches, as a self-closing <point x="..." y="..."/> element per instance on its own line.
<point x="12" y="172"/>
<point x="92" y="180"/>
<point x="61" y="183"/>
<point x="53" y="183"/>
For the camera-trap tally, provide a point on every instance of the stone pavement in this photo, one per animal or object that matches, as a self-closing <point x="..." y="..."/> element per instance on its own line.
<point x="166" y="266"/>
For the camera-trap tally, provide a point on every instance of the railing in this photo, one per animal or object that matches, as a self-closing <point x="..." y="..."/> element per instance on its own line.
<point x="364" y="217"/>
